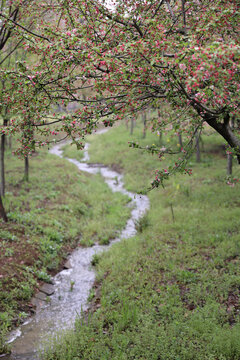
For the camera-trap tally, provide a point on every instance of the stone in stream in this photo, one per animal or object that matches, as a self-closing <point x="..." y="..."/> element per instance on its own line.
<point x="67" y="265"/>
<point x="41" y="296"/>
<point x="37" y="302"/>
<point x="47" y="289"/>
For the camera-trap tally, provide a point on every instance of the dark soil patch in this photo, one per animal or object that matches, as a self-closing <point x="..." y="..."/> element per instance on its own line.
<point x="21" y="251"/>
<point x="117" y="167"/>
<point x="233" y="306"/>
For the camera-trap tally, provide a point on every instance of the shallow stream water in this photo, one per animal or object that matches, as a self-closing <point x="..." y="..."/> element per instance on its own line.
<point x="68" y="301"/>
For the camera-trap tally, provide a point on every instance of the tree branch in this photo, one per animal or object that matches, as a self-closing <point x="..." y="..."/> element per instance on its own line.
<point x="24" y="28"/>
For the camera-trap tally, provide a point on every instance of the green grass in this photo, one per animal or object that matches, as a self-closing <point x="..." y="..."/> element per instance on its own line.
<point x="171" y="292"/>
<point x="59" y="209"/>
<point x="69" y="151"/>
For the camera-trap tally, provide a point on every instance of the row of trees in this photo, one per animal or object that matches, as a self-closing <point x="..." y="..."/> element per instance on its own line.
<point x="181" y="57"/>
<point x="147" y="118"/>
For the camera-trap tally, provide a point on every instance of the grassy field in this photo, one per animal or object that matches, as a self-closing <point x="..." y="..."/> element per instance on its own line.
<point x="171" y="292"/>
<point x="59" y="209"/>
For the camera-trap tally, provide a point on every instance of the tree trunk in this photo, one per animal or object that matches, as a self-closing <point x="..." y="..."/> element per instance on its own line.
<point x="160" y="138"/>
<point x="26" y="169"/>
<point x="144" y="118"/>
<point x="180" y="140"/>
<point x="3" y="214"/>
<point x="198" y="153"/>
<point x="225" y="130"/>
<point x="229" y="164"/>
<point x="184" y="16"/>
<point x="132" y="126"/>
<point x="2" y="162"/>
<point x="160" y="132"/>
<point x="230" y="156"/>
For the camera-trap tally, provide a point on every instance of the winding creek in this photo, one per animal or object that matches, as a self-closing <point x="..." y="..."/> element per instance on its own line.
<point x="64" y="304"/>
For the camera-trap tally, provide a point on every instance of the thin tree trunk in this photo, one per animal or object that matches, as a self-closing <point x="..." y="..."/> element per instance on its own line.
<point x="3" y="214"/>
<point x="229" y="164"/>
<point x="29" y="137"/>
<point x="2" y="162"/>
<point x="184" y="15"/>
<point x="180" y="140"/>
<point x="144" y="118"/>
<point x="198" y="153"/>
<point x="160" y="138"/>
<point x="160" y="133"/>
<point x="26" y="169"/>
<point x="230" y="156"/>
<point x="132" y="126"/>
<point x="2" y="184"/>
<point x="172" y="212"/>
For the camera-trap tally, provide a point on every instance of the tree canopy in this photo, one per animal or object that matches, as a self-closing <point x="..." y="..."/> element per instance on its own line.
<point x="113" y="60"/>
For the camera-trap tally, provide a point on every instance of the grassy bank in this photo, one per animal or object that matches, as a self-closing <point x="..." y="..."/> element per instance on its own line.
<point x="60" y="208"/>
<point x="171" y="292"/>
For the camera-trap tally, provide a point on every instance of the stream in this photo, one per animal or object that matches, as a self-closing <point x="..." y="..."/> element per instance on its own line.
<point x="69" y="300"/>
